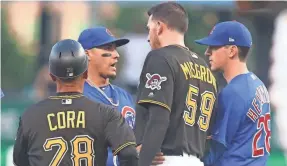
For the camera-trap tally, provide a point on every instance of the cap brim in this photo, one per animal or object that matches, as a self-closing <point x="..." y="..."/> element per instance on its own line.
<point x="208" y="42"/>
<point x="118" y="42"/>
<point x="121" y="42"/>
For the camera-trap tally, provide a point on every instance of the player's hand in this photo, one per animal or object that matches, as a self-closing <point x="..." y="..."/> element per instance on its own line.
<point x="158" y="159"/>
<point x="139" y="148"/>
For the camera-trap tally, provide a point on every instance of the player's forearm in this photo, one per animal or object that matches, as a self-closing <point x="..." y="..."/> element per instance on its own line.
<point x="154" y="134"/>
<point x="128" y="156"/>
<point x="140" y="123"/>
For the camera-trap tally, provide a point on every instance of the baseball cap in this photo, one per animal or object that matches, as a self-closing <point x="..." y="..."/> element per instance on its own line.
<point x="99" y="36"/>
<point x="227" y="33"/>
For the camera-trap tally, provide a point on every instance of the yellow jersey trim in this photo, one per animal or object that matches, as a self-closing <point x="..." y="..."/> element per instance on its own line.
<point x="66" y="96"/>
<point x="122" y="147"/>
<point x="155" y="102"/>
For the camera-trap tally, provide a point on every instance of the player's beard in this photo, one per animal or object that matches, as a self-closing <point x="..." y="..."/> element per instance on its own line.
<point x="155" y="43"/>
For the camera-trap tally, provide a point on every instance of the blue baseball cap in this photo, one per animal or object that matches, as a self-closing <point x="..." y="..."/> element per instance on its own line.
<point x="227" y="33"/>
<point x="99" y="36"/>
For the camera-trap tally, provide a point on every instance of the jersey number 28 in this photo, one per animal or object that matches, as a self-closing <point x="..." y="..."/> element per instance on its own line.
<point x="206" y="107"/>
<point x="78" y="154"/>
<point x="262" y="124"/>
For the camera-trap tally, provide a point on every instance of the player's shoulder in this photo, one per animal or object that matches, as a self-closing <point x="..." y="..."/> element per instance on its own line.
<point x="163" y="52"/>
<point x="240" y="88"/>
<point x="164" y="55"/>
<point x="34" y="109"/>
<point x="172" y="52"/>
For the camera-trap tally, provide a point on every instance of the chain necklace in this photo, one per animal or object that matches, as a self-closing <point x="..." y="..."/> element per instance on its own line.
<point x="103" y="93"/>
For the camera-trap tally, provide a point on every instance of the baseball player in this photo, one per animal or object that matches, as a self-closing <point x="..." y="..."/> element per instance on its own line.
<point x="177" y="93"/>
<point x="241" y="134"/>
<point x="100" y="46"/>
<point x="69" y="129"/>
<point x="278" y="87"/>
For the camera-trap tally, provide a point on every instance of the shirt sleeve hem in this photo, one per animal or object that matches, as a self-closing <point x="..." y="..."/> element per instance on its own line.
<point x="216" y="138"/>
<point x="155" y="102"/>
<point x="122" y="147"/>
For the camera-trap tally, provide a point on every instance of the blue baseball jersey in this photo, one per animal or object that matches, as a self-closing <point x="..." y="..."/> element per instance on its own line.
<point x="117" y="97"/>
<point x="241" y="134"/>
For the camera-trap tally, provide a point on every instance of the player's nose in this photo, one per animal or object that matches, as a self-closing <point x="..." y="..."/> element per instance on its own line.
<point x="207" y="52"/>
<point x="116" y="55"/>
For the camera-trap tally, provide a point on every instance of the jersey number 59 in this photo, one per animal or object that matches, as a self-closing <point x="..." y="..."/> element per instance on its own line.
<point x="206" y="107"/>
<point x="78" y="154"/>
<point x="262" y="124"/>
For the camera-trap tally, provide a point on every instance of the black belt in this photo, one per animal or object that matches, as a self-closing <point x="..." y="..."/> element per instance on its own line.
<point x="176" y="153"/>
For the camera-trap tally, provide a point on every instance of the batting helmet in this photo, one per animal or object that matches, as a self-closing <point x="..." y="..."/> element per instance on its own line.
<point x="67" y="59"/>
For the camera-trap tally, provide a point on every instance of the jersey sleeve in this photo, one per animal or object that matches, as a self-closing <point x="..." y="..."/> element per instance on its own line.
<point x="231" y="108"/>
<point x="20" y="156"/>
<point x="118" y="133"/>
<point x="156" y="81"/>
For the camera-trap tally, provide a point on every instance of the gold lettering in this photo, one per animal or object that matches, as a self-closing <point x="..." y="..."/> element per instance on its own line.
<point x="81" y="119"/>
<point x="49" y="117"/>
<point x="67" y="119"/>
<point x="209" y="76"/>
<point x="70" y="119"/>
<point x="61" y="120"/>
<point x="192" y="70"/>
<point x="203" y="73"/>
<point x="185" y="70"/>
<point x="197" y="72"/>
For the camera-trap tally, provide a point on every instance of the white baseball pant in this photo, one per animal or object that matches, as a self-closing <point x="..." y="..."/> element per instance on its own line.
<point x="185" y="160"/>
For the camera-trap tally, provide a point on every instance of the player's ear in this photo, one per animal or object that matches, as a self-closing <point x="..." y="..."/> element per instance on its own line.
<point x="233" y="51"/>
<point x="88" y="54"/>
<point x="85" y="74"/>
<point x="53" y="77"/>
<point x="160" y="27"/>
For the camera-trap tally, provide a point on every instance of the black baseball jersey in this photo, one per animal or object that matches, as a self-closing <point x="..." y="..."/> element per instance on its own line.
<point x="69" y="129"/>
<point x="180" y="81"/>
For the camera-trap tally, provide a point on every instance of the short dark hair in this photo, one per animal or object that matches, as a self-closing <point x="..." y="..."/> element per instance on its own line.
<point x="243" y="53"/>
<point x="172" y="14"/>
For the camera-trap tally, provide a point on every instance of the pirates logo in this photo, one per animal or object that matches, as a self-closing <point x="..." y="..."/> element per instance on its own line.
<point x="154" y="81"/>
<point x="129" y="114"/>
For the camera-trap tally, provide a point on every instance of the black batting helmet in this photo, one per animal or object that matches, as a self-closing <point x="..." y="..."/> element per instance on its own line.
<point x="67" y="59"/>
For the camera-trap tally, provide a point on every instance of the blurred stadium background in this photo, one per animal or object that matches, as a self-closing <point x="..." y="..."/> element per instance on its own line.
<point x="29" y="29"/>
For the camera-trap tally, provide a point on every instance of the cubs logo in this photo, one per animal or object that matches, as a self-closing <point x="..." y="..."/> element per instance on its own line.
<point x="109" y="32"/>
<point x="154" y="81"/>
<point x="129" y="114"/>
